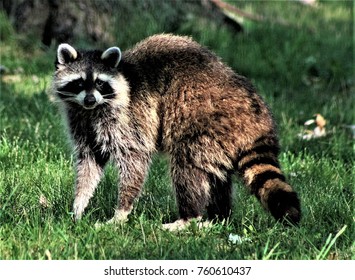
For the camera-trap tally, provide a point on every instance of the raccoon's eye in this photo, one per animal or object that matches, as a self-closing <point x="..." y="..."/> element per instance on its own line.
<point x="80" y="83"/>
<point x="99" y="83"/>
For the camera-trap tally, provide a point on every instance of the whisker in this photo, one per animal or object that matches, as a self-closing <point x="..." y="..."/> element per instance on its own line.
<point x="66" y="93"/>
<point x="71" y="99"/>
<point x="56" y="100"/>
<point x="108" y="95"/>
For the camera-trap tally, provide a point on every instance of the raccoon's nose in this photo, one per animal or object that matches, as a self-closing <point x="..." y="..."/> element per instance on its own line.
<point x="89" y="100"/>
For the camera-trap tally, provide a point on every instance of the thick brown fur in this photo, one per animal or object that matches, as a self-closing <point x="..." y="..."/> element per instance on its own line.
<point x="182" y="100"/>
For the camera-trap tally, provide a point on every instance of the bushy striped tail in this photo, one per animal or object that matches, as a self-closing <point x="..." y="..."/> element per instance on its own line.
<point x="261" y="172"/>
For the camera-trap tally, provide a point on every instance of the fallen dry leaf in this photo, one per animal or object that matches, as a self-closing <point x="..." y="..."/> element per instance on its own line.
<point x="43" y="201"/>
<point x="318" y="131"/>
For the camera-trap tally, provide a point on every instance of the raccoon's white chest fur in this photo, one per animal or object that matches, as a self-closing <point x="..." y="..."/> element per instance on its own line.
<point x="104" y="132"/>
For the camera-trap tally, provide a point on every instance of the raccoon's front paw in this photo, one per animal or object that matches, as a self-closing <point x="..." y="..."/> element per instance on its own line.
<point x="117" y="220"/>
<point x="121" y="216"/>
<point x="78" y="208"/>
<point x="176" y="226"/>
<point x="285" y="206"/>
<point x="182" y="224"/>
<point x="112" y="221"/>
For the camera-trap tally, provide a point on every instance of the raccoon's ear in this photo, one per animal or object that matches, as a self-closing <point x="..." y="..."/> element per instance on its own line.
<point x="112" y="56"/>
<point x="66" y="53"/>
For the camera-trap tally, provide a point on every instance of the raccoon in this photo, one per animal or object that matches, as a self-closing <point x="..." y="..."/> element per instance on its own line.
<point x="170" y="94"/>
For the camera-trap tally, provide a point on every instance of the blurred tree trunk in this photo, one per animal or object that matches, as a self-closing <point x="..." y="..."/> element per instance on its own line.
<point x="214" y="10"/>
<point x="61" y="21"/>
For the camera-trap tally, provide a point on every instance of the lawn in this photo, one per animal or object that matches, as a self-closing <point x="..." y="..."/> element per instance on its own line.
<point x="300" y="68"/>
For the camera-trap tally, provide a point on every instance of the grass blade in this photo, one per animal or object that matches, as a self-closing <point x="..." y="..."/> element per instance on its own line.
<point x="329" y="244"/>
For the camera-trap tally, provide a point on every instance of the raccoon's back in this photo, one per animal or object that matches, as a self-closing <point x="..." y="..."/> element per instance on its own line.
<point x="169" y="50"/>
<point x="171" y="61"/>
<point x="161" y="60"/>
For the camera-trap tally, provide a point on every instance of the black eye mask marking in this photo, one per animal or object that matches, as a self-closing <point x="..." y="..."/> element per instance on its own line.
<point x="104" y="88"/>
<point x="75" y="86"/>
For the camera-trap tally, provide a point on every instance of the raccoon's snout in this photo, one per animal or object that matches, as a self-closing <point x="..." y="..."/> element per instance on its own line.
<point x="89" y="101"/>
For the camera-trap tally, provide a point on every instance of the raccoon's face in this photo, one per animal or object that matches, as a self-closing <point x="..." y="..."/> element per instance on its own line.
<point x="89" y="78"/>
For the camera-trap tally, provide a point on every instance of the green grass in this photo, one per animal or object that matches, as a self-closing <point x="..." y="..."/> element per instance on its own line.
<point x="300" y="69"/>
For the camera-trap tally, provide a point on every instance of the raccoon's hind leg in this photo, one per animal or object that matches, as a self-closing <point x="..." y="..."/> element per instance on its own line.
<point x="192" y="189"/>
<point x="220" y="202"/>
<point x="261" y="171"/>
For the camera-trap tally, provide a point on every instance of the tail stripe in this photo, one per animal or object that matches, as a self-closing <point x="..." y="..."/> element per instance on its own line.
<point x="260" y="179"/>
<point x="260" y="149"/>
<point x="262" y="159"/>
